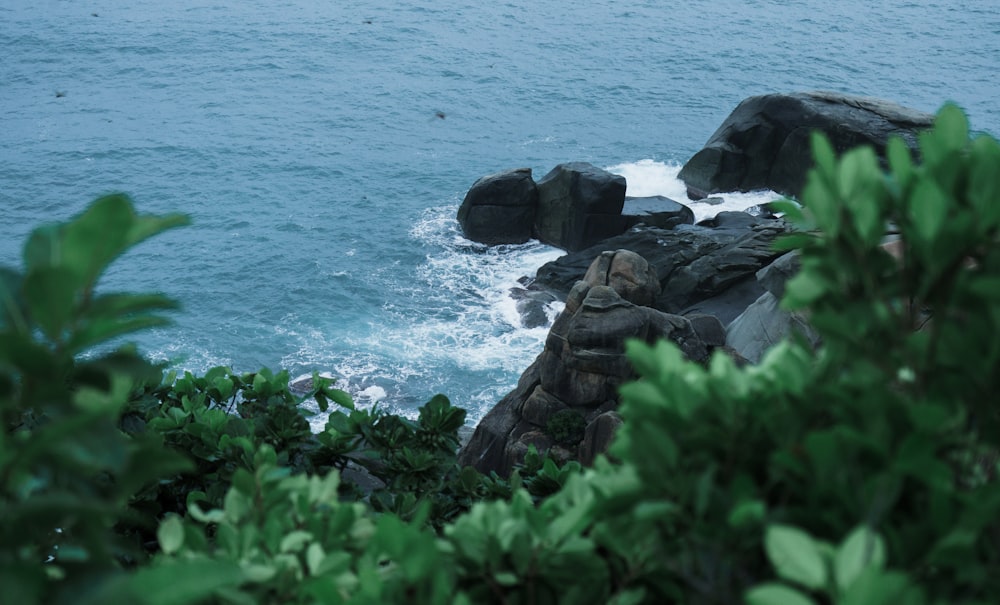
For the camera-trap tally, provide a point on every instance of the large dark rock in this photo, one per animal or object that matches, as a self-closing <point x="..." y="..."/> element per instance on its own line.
<point x="697" y="267"/>
<point x="579" y="205"/>
<point x="764" y="143"/>
<point x="581" y="367"/>
<point x="500" y="208"/>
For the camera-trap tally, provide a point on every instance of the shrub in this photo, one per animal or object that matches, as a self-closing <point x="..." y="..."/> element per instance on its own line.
<point x="566" y="427"/>
<point x="885" y="440"/>
<point x="66" y="471"/>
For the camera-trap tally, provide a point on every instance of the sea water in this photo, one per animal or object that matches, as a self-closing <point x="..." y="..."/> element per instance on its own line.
<point x="322" y="149"/>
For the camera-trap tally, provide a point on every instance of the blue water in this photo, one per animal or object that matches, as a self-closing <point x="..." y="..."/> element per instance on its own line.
<point x="306" y="140"/>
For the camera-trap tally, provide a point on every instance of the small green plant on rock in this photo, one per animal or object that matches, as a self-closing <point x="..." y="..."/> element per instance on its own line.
<point x="566" y="427"/>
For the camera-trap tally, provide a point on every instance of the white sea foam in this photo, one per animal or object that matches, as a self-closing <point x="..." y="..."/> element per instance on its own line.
<point x="187" y="356"/>
<point x="476" y="325"/>
<point x="650" y="177"/>
<point x="452" y="316"/>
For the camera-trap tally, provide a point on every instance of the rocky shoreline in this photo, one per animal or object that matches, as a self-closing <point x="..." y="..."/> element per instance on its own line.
<point x="641" y="268"/>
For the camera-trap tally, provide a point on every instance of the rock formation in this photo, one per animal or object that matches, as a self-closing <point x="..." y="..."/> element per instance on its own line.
<point x="581" y="367"/>
<point x="764" y="143"/>
<point x="714" y="285"/>
<point x="700" y="269"/>
<point x="574" y="206"/>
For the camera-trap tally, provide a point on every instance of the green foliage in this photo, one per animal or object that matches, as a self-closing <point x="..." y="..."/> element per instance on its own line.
<point x="66" y="471"/>
<point x="852" y="574"/>
<point x="888" y="434"/>
<point x="295" y="541"/>
<point x="566" y="427"/>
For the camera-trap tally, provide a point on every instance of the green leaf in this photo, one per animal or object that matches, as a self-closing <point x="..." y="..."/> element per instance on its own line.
<point x="85" y="438"/>
<point x="173" y="583"/>
<point x="12" y="309"/>
<point x="632" y="596"/>
<point x="823" y="155"/>
<point x="703" y="489"/>
<point x="803" y="289"/>
<point x="747" y="513"/>
<point x="213" y="516"/>
<point x="951" y="127"/>
<point x="236" y="505"/>
<point x="876" y="587"/>
<point x="43" y="248"/>
<point x="118" y="304"/>
<point x="822" y="206"/>
<point x="643" y="357"/>
<point x="790" y="210"/>
<point x="776" y="594"/>
<point x="92" y="240"/>
<point x="796" y="556"/>
<point x="861" y="550"/>
<point x="171" y="534"/>
<point x="50" y="295"/>
<point x="102" y="330"/>
<point x="928" y="209"/>
<point x="225" y="386"/>
<point x="984" y="181"/>
<point x="929" y="417"/>
<point x="146" y="226"/>
<point x="506" y="578"/>
<point x="986" y="286"/>
<point x="794" y="241"/>
<point x="295" y="541"/>
<point x="855" y="172"/>
<point x="900" y="160"/>
<point x="643" y="393"/>
<point x="315" y="557"/>
<point x="22" y="582"/>
<point x="261" y="386"/>
<point x="863" y="196"/>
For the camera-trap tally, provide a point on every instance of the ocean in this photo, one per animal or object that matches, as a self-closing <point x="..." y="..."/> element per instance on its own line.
<point x="322" y="150"/>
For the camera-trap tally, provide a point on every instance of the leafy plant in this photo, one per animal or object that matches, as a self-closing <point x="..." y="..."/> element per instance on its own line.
<point x="891" y="426"/>
<point x="66" y="471"/>
<point x="566" y="427"/>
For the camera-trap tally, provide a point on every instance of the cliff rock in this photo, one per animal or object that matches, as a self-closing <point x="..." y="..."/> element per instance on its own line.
<point x="581" y="367"/>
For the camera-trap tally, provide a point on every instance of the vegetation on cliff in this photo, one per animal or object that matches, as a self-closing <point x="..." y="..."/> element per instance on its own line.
<point x="863" y="472"/>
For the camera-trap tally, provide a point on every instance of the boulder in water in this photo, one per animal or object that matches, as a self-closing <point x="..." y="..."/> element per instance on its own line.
<point x="500" y="208"/>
